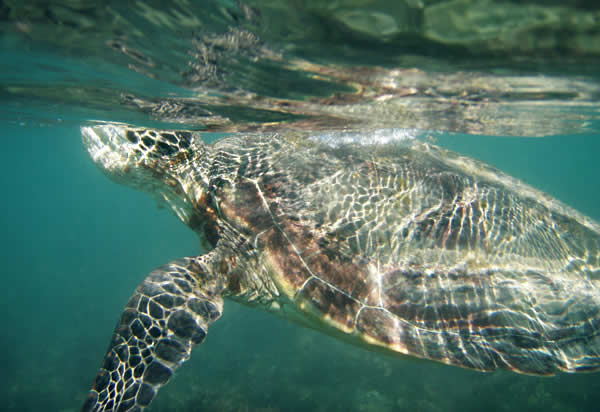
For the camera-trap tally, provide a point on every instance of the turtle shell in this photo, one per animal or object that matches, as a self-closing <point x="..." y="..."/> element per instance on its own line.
<point x="414" y="249"/>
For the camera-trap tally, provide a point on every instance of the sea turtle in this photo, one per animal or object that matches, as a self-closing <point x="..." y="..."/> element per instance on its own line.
<point x="393" y="243"/>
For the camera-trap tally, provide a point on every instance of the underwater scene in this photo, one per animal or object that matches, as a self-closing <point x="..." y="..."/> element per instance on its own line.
<point x="513" y="84"/>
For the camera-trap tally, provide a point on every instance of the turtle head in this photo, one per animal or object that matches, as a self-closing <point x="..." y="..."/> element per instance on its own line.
<point x="154" y="161"/>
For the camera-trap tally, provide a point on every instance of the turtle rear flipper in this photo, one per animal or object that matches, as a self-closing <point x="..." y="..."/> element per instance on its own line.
<point x="167" y="316"/>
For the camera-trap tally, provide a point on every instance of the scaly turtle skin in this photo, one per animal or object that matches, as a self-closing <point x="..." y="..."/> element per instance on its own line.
<point x="398" y="245"/>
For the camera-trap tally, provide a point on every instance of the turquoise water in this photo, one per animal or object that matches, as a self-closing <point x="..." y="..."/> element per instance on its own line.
<point x="75" y="245"/>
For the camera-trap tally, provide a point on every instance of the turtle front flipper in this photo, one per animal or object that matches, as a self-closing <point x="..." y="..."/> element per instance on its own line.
<point x="166" y="317"/>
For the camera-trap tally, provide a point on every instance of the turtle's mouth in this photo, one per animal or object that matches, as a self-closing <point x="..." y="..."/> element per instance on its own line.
<point x="115" y="149"/>
<point x="108" y="147"/>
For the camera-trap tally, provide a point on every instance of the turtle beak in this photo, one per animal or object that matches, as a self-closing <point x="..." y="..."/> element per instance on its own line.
<point x="108" y="147"/>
